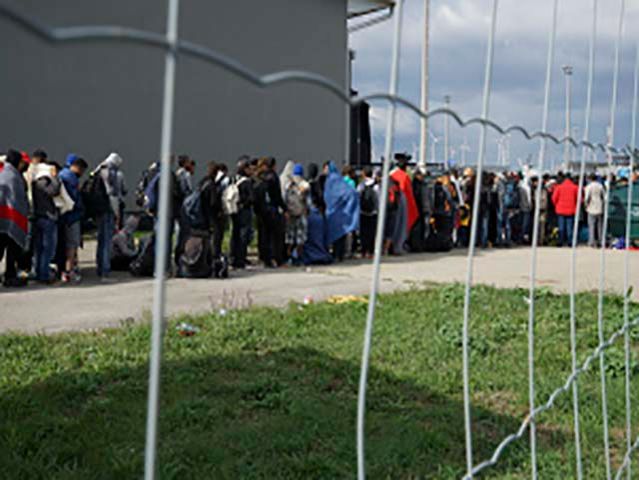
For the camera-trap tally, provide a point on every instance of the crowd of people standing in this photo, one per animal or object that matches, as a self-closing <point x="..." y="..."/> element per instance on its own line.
<point x="301" y="215"/>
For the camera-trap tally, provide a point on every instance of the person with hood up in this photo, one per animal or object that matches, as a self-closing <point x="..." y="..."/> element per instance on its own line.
<point x="123" y="247"/>
<point x="564" y="198"/>
<point x="72" y="220"/>
<point x="342" y="210"/>
<point x="113" y="178"/>
<point x="14" y="212"/>
<point x="316" y="248"/>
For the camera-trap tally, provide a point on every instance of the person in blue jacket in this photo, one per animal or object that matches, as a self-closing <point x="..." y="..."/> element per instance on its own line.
<point x="70" y="176"/>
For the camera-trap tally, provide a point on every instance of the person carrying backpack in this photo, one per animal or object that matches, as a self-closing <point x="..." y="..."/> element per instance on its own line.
<point x="510" y="203"/>
<point x="107" y="191"/>
<point x="369" y="205"/>
<point x="296" y="195"/>
<point x="238" y="203"/>
<point x="199" y="211"/>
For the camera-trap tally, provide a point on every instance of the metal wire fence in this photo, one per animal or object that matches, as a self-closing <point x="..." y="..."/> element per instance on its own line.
<point x="173" y="46"/>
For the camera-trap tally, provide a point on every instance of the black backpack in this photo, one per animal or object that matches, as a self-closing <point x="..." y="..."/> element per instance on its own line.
<point x="197" y="259"/>
<point x="368" y="200"/>
<point x="144" y="264"/>
<point x="95" y="197"/>
<point x="440" y="200"/>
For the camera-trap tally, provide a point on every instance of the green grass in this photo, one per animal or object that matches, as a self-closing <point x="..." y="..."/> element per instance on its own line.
<point x="271" y="394"/>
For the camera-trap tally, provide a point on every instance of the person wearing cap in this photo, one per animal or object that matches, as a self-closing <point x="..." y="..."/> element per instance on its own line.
<point x="71" y="221"/>
<point x="296" y="196"/>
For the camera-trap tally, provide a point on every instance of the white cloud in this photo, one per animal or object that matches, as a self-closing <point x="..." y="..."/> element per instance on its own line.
<point x="458" y="47"/>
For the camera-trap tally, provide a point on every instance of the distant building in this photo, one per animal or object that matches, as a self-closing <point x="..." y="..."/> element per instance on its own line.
<point x="95" y="98"/>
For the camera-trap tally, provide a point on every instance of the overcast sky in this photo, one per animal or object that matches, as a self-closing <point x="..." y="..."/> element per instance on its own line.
<point x="458" y="38"/>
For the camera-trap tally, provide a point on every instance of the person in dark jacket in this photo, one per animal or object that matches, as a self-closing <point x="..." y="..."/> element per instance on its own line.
<point x="268" y="205"/>
<point x="71" y="221"/>
<point x="369" y="209"/>
<point x="45" y="187"/>
<point x="423" y="200"/>
<point x="243" y="219"/>
<point x="183" y="188"/>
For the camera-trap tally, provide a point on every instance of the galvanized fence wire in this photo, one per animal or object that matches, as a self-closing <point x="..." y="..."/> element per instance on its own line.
<point x="162" y="246"/>
<point x="379" y="237"/>
<point x="473" y="239"/>
<point x="626" y="276"/>
<point x="174" y="46"/>
<point x="535" y="237"/>
<point x="602" y="263"/>
<point x="575" y="237"/>
<point x="570" y="380"/>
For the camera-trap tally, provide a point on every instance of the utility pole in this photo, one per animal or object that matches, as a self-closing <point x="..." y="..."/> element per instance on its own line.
<point x="463" y="149"/>
<point x="567" y="69"/>
<point x="446" y="132"/>
<point x="424" y="102"/>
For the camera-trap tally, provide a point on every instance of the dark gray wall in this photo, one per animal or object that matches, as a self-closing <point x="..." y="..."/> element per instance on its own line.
<point x="93" y="99"/>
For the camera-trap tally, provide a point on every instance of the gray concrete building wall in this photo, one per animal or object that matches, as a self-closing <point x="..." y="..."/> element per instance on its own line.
<point x="97" y="98"/>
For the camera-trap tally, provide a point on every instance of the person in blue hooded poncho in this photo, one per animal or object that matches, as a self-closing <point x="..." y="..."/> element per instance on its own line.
<point x="316" y="248"/>
<point x="342" y="210"/>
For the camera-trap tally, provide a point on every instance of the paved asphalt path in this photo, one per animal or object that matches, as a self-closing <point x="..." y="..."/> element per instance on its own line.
<point x="91" y="304"/>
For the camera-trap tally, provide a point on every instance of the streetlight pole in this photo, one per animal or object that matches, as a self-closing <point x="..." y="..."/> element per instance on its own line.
<point x="446" y="132"/>
<point x="567" y="69"/>
<point x="424" y="101"/>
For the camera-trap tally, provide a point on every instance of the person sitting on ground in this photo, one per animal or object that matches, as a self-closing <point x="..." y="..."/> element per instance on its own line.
<point x="14" y="211"/>
<point x="296" y="194"/>
<point x="123" y="247"/>
<point x="72" y="221"/>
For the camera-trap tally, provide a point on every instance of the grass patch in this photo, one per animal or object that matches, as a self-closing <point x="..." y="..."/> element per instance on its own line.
<point x="271" y="394"/>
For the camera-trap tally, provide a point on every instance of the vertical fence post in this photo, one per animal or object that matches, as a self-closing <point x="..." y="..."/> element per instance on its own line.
<point x="626" y="276"/>
<point x="535" y="238"/>
<point x="602" y="261"/>
<point x="162" y="247"/>
<point x="488" y="74"/>
<point x="575" y="238"/>
<point x="379" y="238"/>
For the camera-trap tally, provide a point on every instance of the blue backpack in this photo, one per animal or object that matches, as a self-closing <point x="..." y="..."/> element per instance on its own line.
<point x="151" y="194"/>
<point x="192" y="209"/>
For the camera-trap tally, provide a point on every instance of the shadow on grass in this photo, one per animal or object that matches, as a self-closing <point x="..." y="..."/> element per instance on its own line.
<point x="280" y="414"/>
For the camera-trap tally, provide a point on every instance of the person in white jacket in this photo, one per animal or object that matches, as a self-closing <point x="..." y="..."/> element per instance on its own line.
<point x="595" y="196"/>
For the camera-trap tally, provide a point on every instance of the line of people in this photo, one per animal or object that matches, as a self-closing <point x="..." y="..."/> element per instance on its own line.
<point x="300" y="216"/>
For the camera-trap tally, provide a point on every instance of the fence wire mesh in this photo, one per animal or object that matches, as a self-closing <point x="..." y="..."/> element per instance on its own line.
<point x="173" y="46"/>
